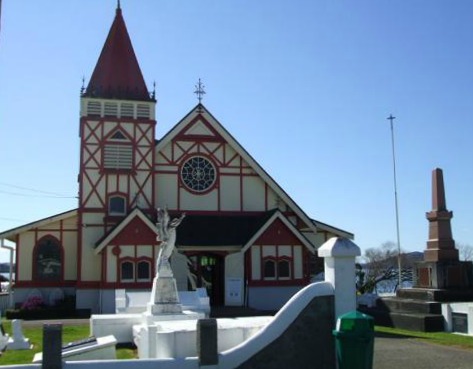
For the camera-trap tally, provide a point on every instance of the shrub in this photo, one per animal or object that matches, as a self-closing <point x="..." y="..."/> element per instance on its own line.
<point x="33" y="303"/>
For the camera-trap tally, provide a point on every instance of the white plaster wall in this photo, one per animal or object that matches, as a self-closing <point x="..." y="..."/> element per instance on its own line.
<point x="112" y="183"/>
<point x="253" y="194"/>
<point x="26" y="246"/>
<point x="91" y="267"/>
<point x="298" y="267"/>
<point x="111" y="265"/>
<point x="145" y="251"/>
<point x="208" y="201"/>
<point x="166" y="190"/>
<point x="269" y="250"/>
<point x="273" y="200"/>
<point x="230" y="193"/>
<point x="256" y="262"/>
<point x="270" y="298"/>
<point x="127" y="251"/>
<point x="234" y="279"/>
<point x="285" y="250"/>
<point x="123" y="184"/>
<point x="69" y="243"/>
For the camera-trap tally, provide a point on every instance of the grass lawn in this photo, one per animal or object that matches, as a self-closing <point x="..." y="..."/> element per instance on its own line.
<point x="440" y="338"/>
<point x="35" y="334"/>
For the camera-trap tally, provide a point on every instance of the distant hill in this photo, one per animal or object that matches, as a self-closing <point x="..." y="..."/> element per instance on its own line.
<point x="415" y="256"/>
<point x="5" y="267"/>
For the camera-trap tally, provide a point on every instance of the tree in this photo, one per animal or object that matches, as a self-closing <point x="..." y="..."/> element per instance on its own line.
<point x="379" y="272"/>
<point x="465" y="251"/>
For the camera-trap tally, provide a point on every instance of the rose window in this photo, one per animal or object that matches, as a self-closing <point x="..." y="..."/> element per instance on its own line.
<point x="198" y="174"/>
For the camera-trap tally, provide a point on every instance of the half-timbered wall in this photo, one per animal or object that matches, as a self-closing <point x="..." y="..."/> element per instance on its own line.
<point x="64" y="233"/>
<point x="116" y="163"/>
<point x="237" y="187"/>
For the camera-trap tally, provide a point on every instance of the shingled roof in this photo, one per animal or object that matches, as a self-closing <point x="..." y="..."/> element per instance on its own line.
<point x="213" y="230"/>
<point x="117" y="74"/>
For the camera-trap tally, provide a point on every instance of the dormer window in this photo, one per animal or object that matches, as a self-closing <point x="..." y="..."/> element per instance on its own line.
<point x="117" y="205"/>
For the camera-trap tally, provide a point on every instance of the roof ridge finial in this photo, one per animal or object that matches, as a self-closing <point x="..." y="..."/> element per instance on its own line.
<point x="199" y="91"/>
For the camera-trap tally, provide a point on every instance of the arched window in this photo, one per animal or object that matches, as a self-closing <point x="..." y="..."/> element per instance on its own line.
<point x="135" y="270"/>
<point x="269" y="269"/>
<point x="117" y="205"/>
<point x="48" y="260"/>
<point x="284" y="269"/>
<point x="144" y="271"/>
<point x="127" y="271"/>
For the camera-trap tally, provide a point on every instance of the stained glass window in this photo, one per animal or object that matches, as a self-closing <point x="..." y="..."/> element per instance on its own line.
<point x="198" y="174"/>
<point x="48" y="260"/>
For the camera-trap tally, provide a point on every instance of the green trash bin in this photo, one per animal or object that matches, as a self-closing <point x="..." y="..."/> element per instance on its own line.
<point x="354" y="341"/>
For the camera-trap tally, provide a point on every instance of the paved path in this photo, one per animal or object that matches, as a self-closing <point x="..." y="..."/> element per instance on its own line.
<point x="405" y="353"/>
<point x="390" y="352"/>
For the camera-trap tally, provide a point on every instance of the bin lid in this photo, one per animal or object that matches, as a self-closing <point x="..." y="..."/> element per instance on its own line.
<point x="354" y="321"/>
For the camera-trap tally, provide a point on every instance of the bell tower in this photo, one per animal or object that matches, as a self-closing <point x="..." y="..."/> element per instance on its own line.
<point x="117" y="139"/>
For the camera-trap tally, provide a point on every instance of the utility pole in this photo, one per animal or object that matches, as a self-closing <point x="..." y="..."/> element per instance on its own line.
<point x="391" y="119"/>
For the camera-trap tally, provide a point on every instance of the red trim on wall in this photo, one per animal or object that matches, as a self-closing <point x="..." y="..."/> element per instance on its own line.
<point x="36" y="284"/>
<point x="277" y="283"/>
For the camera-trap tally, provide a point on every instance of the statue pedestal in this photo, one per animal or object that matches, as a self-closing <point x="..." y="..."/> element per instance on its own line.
<point x="164" y="297"/>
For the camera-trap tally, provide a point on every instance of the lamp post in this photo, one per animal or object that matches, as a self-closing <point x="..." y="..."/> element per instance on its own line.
<point x="391" y="119"/>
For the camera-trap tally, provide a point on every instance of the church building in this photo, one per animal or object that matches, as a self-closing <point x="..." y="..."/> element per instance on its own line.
<point x="243" y="237"/>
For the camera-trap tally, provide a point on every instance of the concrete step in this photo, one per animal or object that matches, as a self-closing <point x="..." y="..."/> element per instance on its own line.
<point x="396" y="304"/>
<point x="427" y="294"/>
<point x="408" y="321"/>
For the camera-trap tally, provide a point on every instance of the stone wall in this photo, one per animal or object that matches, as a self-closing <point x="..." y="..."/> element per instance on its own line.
<point x="306" y="343"/>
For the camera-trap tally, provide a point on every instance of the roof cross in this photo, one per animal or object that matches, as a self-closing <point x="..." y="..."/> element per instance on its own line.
<point x="199" y="91"/>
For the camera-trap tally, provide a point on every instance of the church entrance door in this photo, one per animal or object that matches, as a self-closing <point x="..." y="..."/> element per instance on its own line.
<point x="208" y="271"/>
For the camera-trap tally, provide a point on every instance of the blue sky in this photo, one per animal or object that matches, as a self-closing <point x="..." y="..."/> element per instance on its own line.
<point x="305" y="86"/>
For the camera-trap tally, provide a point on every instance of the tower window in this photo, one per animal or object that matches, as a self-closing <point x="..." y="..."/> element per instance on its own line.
<point x="118" y="135"/>
<point x="127" y="110"/>
<point x="93" y="108"/>
<point x="116" y="205"/>
<point x="142" y="111"/>
<point x="110" y="109"/>
<point x="118" y="156"/>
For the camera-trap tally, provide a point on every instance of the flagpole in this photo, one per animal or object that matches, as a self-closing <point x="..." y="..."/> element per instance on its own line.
<point x="391" y="119"/>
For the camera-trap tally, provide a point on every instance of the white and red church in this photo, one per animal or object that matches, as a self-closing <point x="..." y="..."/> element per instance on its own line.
<point x="243" y="237"/>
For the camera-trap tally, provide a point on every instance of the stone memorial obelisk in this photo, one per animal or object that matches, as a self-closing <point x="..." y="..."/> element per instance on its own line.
<point x="440" y="246"/>
<point x="164" y="296"/>
<point x="442" y="268"/>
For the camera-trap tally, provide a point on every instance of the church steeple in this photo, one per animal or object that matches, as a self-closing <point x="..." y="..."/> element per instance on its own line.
<point x="117" y="74"/>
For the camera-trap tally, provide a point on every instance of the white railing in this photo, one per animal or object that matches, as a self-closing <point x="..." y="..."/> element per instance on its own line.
<point x="5" y="302"/>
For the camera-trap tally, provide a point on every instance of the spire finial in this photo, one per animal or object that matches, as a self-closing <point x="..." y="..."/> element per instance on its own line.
<point x="118" y="4"/>
<point x="199" y="91"/>
<point x="82" y="89"/>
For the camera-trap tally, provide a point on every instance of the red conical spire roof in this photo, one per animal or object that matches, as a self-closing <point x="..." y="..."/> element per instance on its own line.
<point x="117" y="74"/>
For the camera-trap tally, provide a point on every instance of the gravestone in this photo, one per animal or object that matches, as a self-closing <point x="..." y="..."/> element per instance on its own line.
<point x="18" y="341"/>
<point x="3" y="338"/>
